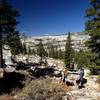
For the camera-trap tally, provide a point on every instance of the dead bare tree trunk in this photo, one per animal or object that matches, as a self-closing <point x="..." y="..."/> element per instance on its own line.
<point x="1" y="52"/>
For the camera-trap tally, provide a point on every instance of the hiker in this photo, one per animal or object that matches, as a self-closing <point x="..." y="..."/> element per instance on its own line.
<point x="79" y="81"/>
<point x="62" y="76"/>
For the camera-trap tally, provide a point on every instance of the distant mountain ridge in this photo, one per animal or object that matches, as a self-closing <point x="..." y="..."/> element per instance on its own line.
<point x="78" y="40"/>
<point x="72" y="33"/>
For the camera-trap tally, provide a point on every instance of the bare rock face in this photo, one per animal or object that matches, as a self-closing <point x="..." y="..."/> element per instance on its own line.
<point x="27" y="58"/>
<point x="9" y="69"/>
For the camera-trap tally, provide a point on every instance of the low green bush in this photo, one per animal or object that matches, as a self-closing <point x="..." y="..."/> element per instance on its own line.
<point x="95" y="70"/>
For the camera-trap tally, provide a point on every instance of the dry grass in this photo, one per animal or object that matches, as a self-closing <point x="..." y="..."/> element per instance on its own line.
<point x="6" y="97"/>
<point x="44" y="89"/>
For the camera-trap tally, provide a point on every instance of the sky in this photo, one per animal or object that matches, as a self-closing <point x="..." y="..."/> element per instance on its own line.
<point x="53" y="17"/>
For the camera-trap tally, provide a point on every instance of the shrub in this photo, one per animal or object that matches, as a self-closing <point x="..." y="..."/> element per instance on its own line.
<point x="43" y="89"/>
<point x="95" y="70"/>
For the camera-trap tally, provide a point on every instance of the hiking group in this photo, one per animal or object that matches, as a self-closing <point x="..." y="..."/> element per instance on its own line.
<point x="80" y="80"/>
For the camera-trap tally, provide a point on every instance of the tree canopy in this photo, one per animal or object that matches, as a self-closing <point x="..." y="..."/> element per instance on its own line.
<point x="92" y="27"/>
<point x="8" y="33"/>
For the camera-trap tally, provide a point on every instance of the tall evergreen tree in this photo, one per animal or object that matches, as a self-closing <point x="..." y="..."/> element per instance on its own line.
<point x="33" y="51"/>
<point x="81" y="55"/>
<point x="8" y="23"/>
<point x="14" y="42"/>
<point x="29" y="50"/>
<point x="61" y="54"/>
<point x="51" y="51"/>
<point x="24" y="43"/>
<point x="55" y="55"/>
<point x="93" y="28"/>
<point x="24" y="48"/>
<point x="69" y="52"/>
<point x="41" y="51"/>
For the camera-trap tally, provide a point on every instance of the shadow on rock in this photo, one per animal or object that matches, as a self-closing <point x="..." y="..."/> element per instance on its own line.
<point x="23" y="66"/>
<point x="38" y="72"/>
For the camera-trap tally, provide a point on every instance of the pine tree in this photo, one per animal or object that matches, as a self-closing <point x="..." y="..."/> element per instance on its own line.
<point x="29" y="50"/>
<point x="51" y="51"/>
<point x="55" y="55"/>
<point x="33" y="51"/>
<point x="81" y="55"/>
<point x="93" y="28"/>
<point x="61" y="54"/>
<point x="24" y="48"/>
<point x="8" y="23"/>
<point x="24" y="43"/>
<point x="13" y="40"/>
<point x="69" y="52"/>
<point x="41" y="51"/>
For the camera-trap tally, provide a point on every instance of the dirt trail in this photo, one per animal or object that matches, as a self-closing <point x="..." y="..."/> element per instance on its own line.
<point x="90" y="91"/>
